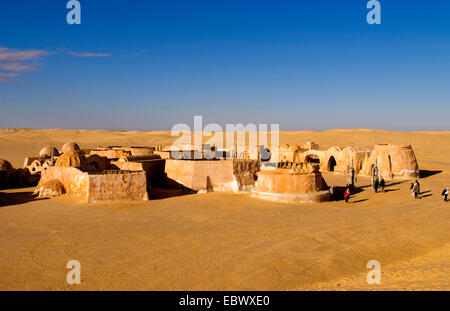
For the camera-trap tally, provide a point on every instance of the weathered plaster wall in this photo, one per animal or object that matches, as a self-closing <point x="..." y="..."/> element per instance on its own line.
<point x="219" y="175"/>
<point x="393" y="161"/>
<point x="74" y="181"/>
<point x="154" y="168"/>
<point x="292" y="186"/>
<point x="122" y="186"/>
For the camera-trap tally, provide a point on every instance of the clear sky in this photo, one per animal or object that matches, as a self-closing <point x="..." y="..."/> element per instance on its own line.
<point x="147" y="65"/>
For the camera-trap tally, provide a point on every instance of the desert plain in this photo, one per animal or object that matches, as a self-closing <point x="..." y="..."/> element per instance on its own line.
<point x="226" y="241"/>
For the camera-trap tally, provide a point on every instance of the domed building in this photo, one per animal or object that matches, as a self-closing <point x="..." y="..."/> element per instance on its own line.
<point x="5" y="165"/>
<point x="70" y="146"/>
<point x="302" y="183"/>
<point x="71" y="159"/>
<point x="392" y="161"/>
<point x="11" y="178"/>
<point x="48" y="151"/>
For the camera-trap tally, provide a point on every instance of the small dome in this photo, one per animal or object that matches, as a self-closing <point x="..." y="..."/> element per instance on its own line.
<point x="46" y="152"/>
<point x="5" y="165"/>
<point x="51" y="188"/>
<point x="71" y="158"/>
<point x="70" y="147"/>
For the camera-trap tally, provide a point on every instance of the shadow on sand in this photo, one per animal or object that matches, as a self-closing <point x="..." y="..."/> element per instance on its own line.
<point x="339" y="194"/>
<point x="16" y="198"/>
<point x="426" y="173"/>
<point x="358" y="201"/>
<point x="169" y="189"/>
<point x="390" y="190"/>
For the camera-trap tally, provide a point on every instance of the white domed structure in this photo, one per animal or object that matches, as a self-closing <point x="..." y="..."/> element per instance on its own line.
<point x="70" y="146"/>
<point x="48" y="151"/>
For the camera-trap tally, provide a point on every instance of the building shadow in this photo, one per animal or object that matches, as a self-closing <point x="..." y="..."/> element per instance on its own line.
<point x="339" y="193"/>
<point x="169" y="188"/>
<point x="7" y="199"/>
<point x="165" y="193"/>
<point x="427" y="173"/>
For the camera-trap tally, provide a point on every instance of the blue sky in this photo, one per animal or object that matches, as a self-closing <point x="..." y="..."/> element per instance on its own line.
<point x="147" y="65"/>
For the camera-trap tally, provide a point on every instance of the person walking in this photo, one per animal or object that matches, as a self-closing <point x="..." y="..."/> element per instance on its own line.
<point x="418" y="187"/>
<point x="376" y="185"/>
<point x="445" y="194"/>
<point x="333" y="193"/>
<point x="347" y="195"/>
<point x="415" y="190"/>
<point x="382" y="184"/>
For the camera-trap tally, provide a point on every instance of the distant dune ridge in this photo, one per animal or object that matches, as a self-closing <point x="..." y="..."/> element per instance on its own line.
<point x="221" y="241"/>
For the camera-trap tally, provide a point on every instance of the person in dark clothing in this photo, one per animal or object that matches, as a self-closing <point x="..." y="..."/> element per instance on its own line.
<point x="333" y="193"/>
<point x="416" y="190"/>
<point x="382" y="184"/>
<point x="445" y="194"/>
<point x="376" y="185"/>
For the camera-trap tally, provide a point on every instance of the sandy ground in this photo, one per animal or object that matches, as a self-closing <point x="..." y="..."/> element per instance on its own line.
<point x="220" y="241"/>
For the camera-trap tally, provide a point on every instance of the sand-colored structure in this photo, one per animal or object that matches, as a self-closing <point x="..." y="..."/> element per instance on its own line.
<point x="152" y="165"/>
<point x="93" y="187"/>
<point x="394" y="161"/>
<point x="48" y="151"/>
<point x="116" y="152"/>
<point x="71" y="158"/>
<point x="94" y="178"/>
<point x="70" y="146"/>
<point x="299" y="183"/>
<point x="208" y="168"/>
<point x="215" y="175"/>
<point x="15" y="178"/>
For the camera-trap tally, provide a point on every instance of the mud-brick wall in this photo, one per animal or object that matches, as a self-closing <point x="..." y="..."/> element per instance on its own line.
<point x="245" y="172"/>
<point x="110" y="187"/>
<point x="203" y="175"/>
<point x="220" y="175"/>
<point x="73" y="180"/>
<point x="153" y="168"/>
<point x="285" y="182"/>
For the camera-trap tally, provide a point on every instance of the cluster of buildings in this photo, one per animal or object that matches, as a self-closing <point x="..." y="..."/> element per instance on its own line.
<point x="129" y="172"/>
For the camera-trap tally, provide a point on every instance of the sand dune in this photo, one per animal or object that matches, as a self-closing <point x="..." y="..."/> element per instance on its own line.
<point x="220" y="241"/>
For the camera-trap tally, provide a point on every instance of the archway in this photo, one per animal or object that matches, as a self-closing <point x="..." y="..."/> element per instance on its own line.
<point x="312" y="158"/>
<point x="331" y="164"/>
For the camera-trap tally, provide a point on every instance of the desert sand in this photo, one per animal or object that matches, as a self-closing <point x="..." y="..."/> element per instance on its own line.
<point x="224" y="241"/>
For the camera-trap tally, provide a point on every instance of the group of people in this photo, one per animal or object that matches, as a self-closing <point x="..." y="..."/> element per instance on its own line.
<point x="379" y="184"/>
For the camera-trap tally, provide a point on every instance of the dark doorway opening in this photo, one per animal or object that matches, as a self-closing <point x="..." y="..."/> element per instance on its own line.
<point x="332" y="164"/>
